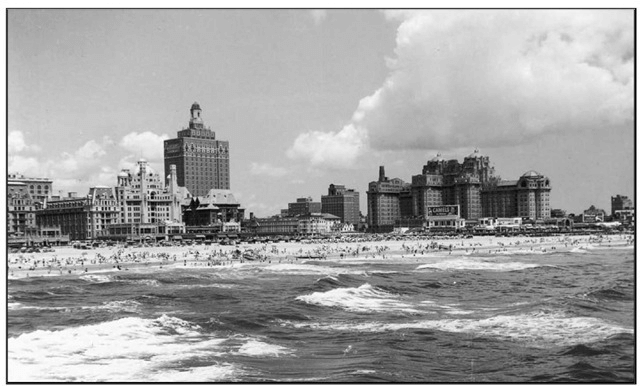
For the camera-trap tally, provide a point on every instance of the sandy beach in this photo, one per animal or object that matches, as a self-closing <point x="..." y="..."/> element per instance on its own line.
<point x="66" y="260"/>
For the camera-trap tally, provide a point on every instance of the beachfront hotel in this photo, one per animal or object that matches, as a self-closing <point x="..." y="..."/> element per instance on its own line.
<point x="40" y="189"/>
<point x="472" y="186"/>
<point x="202" y="161"/>
<point x="527" y="197"/>
<point x="383" y="202"/>
<point x="342" y="202"/>
<point x="303" y="206"/>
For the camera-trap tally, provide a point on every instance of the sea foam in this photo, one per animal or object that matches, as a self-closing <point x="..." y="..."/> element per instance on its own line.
<point x="362" y="299"/>
<point x="538" y="329"/>
<point x="127" y="349"/>
<point x="472" y="264"/>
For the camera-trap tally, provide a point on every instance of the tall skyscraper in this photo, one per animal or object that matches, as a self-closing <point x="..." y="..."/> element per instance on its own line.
<point x="202" y="162"/>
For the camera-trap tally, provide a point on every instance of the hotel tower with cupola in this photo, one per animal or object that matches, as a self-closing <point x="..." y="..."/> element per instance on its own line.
<point x="202" y="162"/>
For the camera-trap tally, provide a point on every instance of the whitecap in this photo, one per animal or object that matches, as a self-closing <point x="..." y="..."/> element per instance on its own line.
<point x="127" y="349"/>
<point x="538" y="329"/>
<point x="470" y="264"/>
<point x="362" y="299"/>
<point x="257" y="348"/>
<point x="95" y="278"/>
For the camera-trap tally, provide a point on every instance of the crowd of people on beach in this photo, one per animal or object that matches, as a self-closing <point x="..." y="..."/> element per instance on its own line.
<point x="120" y="257"/>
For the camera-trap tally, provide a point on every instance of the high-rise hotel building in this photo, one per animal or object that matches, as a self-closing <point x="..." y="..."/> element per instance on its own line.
<point x="202" y="162"/>
<point x="471" y="185"/>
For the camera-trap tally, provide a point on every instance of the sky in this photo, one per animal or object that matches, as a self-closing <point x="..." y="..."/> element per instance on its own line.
<point x="307" y="98"/>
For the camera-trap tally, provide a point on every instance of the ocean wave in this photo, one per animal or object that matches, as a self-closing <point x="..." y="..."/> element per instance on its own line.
<point x="579" y="250"/>
<point x="511" y="252"/>
<point x="468" y="264"/>
<point x="538" y="329"/>
<point x="256" y="348"/>
<point x="95" y="278"/>
<point x="147" y="282"/>
<point x="117" y="306"/>
<point x="362" y="299"/>
<point x="608" y="294"/>
<point x="127" y="349"/>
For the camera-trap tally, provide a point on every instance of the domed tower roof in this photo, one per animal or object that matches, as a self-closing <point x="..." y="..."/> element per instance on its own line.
<point x="475" y="154"/>
<point x="150" y="171"/>
<point x="531" y="173"/>
<point x="195" y="106"/>
<point x="123" y="174"/>
<point x="437" y="158"/>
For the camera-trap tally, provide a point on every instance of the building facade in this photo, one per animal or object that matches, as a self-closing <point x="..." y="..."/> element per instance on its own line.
<point x="143" y="198"/>
<point x="304" y="206"/>
<point x="620" y="203"/>
<point x="217" y="211"/>
<point x="472" y="186"/>
<point x="21" y="210"/>
<point x="40" y="189"/>
<point x="81" y="218"/>
<point x="528" y="197"/>
<point x="275" y="226"/>
<point x="448" y="182"/>
<point x="202" y="161"/>
<point x="383" y="202"/>
<point x="316" y="223"/>
<point x="342" y="202"/>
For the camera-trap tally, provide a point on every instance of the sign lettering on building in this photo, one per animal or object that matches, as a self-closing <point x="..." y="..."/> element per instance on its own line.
<point x="171" y="148"/>
<point x="443" y="210"/>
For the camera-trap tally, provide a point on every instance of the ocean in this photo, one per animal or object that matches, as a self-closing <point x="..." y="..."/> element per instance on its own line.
<point x="511" y="317"/>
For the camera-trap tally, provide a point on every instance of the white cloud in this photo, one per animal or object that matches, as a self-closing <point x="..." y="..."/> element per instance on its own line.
<point x="318" y="15"/>
<point x="28" y="166"/>
<point x="145" y="145"/>
<point x="488" y="78"/>
<point x="266" y="169"/>
<point x="17" y="144"/>
<point x="335" y="150"/>
<point x="77" y="171"/>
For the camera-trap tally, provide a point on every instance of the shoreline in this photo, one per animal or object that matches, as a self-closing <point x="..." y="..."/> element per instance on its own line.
<point x="70" y="262"/>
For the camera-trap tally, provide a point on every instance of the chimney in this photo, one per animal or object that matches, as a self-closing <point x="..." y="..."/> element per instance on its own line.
<point x="381" y="176"/>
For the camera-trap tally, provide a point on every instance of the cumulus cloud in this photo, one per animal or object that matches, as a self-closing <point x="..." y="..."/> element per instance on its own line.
<point x="318" y="15"/>
<point x="23" y="165"/>
<point x="17" y="144"/>
<point x="489" y="78"/>
<point x="335" y="150"/>
<point x="493" y="77"/>
<point x="147" y="145"/>
<point x="266" y="169"/>
<point x="76" y="170"/>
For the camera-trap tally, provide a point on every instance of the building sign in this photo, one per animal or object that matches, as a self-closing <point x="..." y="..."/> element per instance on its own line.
<point x="443" y="210"/>
<point x="171" y="148"/>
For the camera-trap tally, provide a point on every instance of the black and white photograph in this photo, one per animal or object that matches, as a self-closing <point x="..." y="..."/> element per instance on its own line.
<point x="320" y="194"/>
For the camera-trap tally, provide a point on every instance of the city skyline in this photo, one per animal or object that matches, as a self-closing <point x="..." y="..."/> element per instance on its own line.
<point x="307" y="98"/>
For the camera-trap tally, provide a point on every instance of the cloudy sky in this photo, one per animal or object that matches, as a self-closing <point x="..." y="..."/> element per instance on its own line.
<point x="307" y="98"/>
